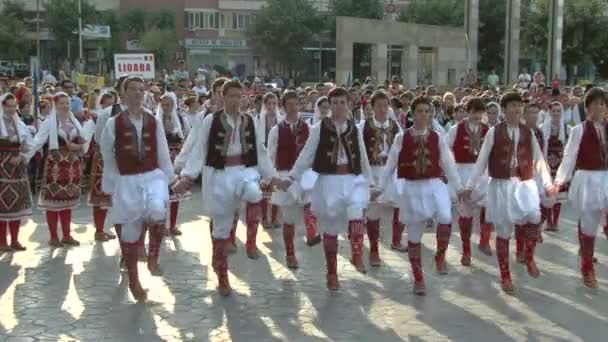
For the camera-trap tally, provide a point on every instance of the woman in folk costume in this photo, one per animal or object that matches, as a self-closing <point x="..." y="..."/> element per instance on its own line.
<point x="554" y="136"/>
<point x="173" y="128"/>
<point x="60" y="189"/>
<point x="379" y="132"/>
<point x="512" y="157"/>
<point x="340" y="182"/>
<point x="586" y="156"/>
<point x="465" y="140"/>
<point x="99" y="200"/>
<point x="269" y="117"/>
<point x="421" y="157"/>
<point x="15" y="194"/>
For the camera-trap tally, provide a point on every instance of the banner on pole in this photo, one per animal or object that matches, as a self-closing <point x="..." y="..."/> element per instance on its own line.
<point x="92" y="82"/>
<point x="134" y="64"/>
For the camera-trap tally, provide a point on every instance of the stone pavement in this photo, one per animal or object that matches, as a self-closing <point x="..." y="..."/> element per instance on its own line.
<point x="78" y="294"/>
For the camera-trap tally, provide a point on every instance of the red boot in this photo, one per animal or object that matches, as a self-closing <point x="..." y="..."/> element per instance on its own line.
<point x="219" y="262"/>
<point x="330" y="247"/>
<point x="443" y="240"/>
<point x="398" y="229"/>
<point x="520" y="241"/>
<point x="502" y="254"/>
<point x="310" y="220"/>
<point x="131" y="259"/>
<point x="290" y="250"/>
<point x="531" y="236"/>
<point x="155" y="239"/>
<point x="414" y="254"/>
<point x="356" y="244"/>
<point x="253" y="219"/>
<point x="466" y="228"/>
<point x="373" y="234"/>
<point x="485" y="234"/>
<point x="587" y="268"/>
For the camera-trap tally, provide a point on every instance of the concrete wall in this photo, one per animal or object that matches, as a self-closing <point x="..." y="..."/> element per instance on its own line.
<point x="448" y="43"/>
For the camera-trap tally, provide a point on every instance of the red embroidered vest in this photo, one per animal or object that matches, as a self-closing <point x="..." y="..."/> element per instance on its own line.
<point x="290" y="143"/>
<point x="419" y="156"/>
<point x="591" y="153"/>
<point x="131" y="158"/>
<point x="499" y="165"/>
<point x="467" y="145"/>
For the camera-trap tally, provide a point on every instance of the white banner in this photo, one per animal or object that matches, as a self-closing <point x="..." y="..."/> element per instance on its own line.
<point x="134" y="64"/>
<point x="96" y="31"/>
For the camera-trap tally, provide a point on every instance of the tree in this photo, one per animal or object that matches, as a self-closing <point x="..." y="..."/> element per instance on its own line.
<point x="282" y="28"/>
<point x="62" y="19"/>
<point x="14" y="47"/>
<point x="134" y="21"/>
<point x="160" y="42"/>
<point x="163" y="19"/>
<point x="491" y="37"/>
<point x="434" y="12"/>
<point x="112" y="45"/>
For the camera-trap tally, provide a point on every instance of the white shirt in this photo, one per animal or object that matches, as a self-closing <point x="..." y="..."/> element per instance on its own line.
<point x="200" y="90"/>
<point x="307" y="156"/>
<point x="566" y="168"/>
<point x="195" y="150"/>
<point x="538" y="159"/>
<point x="110" y="165"/>
<point x="446" y="161"/>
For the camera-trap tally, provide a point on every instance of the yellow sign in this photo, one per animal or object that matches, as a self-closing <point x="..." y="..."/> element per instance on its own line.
<point x="92" y="82"/>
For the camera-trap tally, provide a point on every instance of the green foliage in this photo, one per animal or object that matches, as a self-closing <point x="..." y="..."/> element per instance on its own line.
<point x="163" y="19"/>
<point x="160" y="42"/>
<point x="134" y="21"/>
<point x="434" y="12"/>
<point x="372" y="9"/>
<point x="492" y="21"/>
<point x="282" y="28"/>
<point x="12" y="26"/>
<point x="62" y="19"/>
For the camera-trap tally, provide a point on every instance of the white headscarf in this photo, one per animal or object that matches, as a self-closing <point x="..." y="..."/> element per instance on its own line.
<point x="263" y="113"/>
<point x="3" y="131"/>
<point x="317" y="117"/>
<point x="52" y="119"/>
<point x="499" y="112"/>
<point x="546" y="128"/>
<point x="177" y="127"/>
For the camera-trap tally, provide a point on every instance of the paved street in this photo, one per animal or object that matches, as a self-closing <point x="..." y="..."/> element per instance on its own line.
<point x="79" y="294"/>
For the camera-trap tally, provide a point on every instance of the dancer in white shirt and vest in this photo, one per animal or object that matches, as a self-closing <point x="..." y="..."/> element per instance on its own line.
<point x="465" y="140"/>
<point x="512" y="157"/>
<point x="236" y="158"/>
<point x="137" y="171"/>
<point x="585" y="165"/>
<point x="421" y="157"/>
<point x="379" y="132"/>
<point x="285" y="142"/>
<point x="340" y="182"/>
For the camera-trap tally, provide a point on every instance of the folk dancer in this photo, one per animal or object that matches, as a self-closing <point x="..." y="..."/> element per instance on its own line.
<point x="136" y="173"/>
<point x="285" y="142"/>
<point x="173" y="126"/>
<point x="421" y="157"/>
<point x="379" y="132"/>
<point x="15" y="193"/>
<point x="340" y="182"/>
<point x="236" y="159"/>
<point x="512" y="157"/>
<point x="586" y="156"/>
<point x="465" y="140"/>
<point x="60" y="188"/>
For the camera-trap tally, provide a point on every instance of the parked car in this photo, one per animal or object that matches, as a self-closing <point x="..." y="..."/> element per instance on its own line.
<point x="21" y="70"/>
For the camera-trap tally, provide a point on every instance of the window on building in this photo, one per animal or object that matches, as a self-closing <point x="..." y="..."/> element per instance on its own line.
<point x="234" y="21"/>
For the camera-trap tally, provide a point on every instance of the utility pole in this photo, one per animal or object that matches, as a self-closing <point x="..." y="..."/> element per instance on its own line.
<point x="80" y="60"/>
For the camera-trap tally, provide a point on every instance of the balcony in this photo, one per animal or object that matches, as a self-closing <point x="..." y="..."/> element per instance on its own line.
<point x="241" y="5"/>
